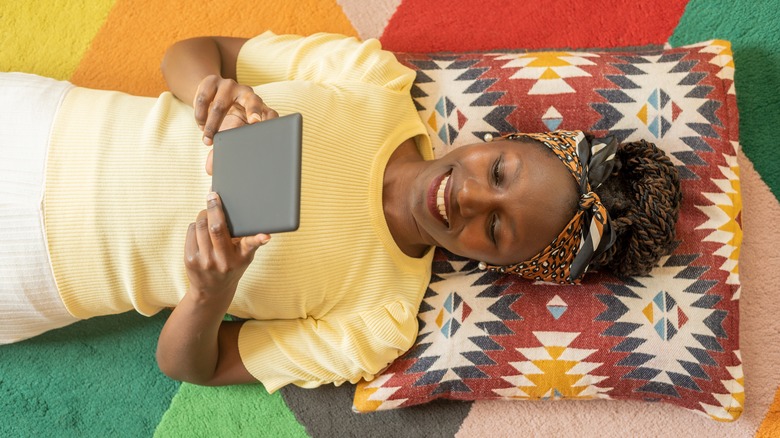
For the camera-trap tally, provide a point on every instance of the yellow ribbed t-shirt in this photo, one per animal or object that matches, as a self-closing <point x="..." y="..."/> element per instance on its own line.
<point x="334" y="301"/>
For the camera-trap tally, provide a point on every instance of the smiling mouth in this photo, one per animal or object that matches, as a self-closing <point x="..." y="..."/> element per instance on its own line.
<point x="441" y="205"/>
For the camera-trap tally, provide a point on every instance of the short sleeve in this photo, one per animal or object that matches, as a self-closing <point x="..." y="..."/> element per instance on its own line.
<point x="310" y="352"/>
<point x="321" y="57"/>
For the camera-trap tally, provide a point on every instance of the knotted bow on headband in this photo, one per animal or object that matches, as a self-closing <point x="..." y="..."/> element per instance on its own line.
<point x="588" y="233"/>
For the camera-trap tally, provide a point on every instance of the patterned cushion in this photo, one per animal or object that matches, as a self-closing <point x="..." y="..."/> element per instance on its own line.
<point x="671" y="336"/>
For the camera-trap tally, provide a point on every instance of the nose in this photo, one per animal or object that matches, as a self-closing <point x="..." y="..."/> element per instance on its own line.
<point x="475" y="198"/>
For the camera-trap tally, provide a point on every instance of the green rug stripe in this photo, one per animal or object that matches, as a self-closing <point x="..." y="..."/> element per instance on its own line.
<point x="198" y="411"/>
<point x="754" y="32"/>
<point x="96" y="378"/>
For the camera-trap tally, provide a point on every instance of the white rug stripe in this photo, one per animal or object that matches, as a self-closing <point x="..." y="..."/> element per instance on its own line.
<point x="369" y="22"/>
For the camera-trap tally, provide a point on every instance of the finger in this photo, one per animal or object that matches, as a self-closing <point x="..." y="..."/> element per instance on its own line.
<point x="265" y="113"/>
<point x="205" y="93"/>
<point x="250" y="244"/>
<point x="223" y="101"/>
<point x="210" y="162"/>
<point x="269" y="113"/>
<point x="232" y="121"/>
<point x="190" y="246"/>
<point x="203" y="238"/>
<point x="220" y="237"/>
<point x="252" y="105"/>
<point x="255" y="107"/>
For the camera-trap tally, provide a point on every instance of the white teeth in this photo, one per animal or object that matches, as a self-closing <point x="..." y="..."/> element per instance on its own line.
<point x="440" y="199"/>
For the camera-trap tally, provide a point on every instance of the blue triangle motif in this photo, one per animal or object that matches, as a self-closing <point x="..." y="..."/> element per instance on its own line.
<point x="653" y="99"/>
<point x="443" y="134"/>
<point x="552" y="124"/>
<point x="556" y="311"/>
<point x="440" y="107"/>
<point x="448" y="303"/>
<point x="445" y="329"/>
<point x="653" y="127"/>
<point x="660" y="328"/>
<point x="659" y="300"/>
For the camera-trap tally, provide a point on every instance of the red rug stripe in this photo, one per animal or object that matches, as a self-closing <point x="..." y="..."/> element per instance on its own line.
<point x="466" y="25"/>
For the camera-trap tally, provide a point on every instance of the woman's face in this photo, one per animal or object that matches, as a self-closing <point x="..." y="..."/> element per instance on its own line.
<point x="500" y="202"/>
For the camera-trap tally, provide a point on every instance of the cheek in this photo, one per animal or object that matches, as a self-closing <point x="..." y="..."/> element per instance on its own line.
<point x="469" y="243"/>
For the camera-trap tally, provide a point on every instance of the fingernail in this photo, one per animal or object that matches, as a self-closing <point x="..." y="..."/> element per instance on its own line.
<point x="256" y="117"/>
<point x="211" y="198"/>
<point x="264" y="240"/>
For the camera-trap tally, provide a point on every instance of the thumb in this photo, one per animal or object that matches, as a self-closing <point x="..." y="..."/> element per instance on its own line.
<point x="210" y="162"/>
<point x="251" y="243"/>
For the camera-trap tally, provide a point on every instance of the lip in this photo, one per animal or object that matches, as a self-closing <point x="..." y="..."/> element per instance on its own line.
<point x="447" y="198"/>
<point x="433" y="189"/>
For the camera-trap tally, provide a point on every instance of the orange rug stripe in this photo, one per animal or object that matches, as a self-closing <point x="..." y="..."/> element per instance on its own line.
<point x="770" y="427"/>
<point x="126" y="56"/>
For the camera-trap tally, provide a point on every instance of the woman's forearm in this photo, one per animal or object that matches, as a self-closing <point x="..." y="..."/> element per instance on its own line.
<point x="188" y="62"/>
<point x="188" y="348"/>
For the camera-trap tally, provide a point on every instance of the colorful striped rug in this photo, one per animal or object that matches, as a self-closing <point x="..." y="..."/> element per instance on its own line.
<point x="99" y="377"/>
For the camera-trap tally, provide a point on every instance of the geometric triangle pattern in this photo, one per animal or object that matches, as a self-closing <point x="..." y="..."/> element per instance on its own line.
<point x="447" y="319"/>
<point x="670" y="347"/>
<point x="724" y="215"/>
<point x="457" y="113"/>
<point x="554" y="370"/>
<point x="557" y="307"/>
<point x="671" y="336"/>
<point x="548" y="70"/>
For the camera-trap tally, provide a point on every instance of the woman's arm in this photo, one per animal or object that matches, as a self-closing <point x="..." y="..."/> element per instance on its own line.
<point x="202" y="72"/>
<point x="188" y="62"/>
<point x="195" y="345"/>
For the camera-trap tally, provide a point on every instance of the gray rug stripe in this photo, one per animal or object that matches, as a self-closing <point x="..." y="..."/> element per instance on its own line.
<point x="327" y="412"/>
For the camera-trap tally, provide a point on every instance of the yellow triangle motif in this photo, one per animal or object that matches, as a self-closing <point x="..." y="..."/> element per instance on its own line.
<point x="555" y="376"/>
<point x="432" y="121"/>
<point x="648" y="312"/>
<point x="562" y="372"/>
<point x="363" y="397"/>
<point x="725" y="52"/>
<point x="642" y="114"/>
<point x="548" y="59"/>
<point x="550" y="74"/>
<point x="555" y="352"/>
<point x="733" y="211"/>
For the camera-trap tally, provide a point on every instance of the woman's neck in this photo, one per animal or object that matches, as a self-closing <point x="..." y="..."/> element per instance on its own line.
<point x="402" y="168"/>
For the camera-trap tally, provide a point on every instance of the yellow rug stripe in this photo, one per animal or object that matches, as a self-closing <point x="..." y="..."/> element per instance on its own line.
<point x="126" y="53"/>
<point x="48" y="38"/>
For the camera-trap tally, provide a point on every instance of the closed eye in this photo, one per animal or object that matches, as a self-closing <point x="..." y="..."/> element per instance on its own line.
<point x="497" y="176"/>
<point x="492" y="229"/>
<point x="498" y="170"/>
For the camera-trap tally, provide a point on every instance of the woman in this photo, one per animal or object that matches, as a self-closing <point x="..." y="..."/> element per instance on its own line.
<point x="107" y="217"/>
